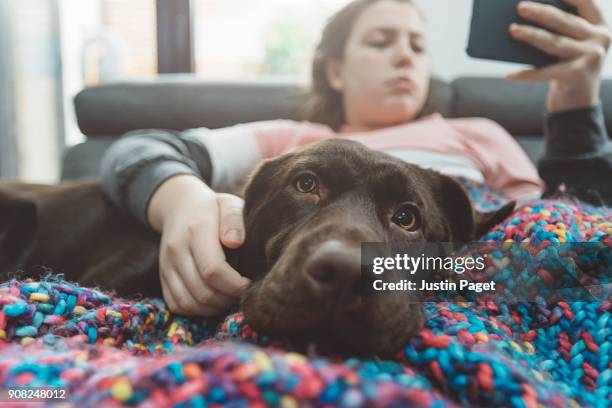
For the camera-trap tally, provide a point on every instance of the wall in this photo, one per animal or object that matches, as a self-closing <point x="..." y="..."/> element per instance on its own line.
<point x="448" y="23"/>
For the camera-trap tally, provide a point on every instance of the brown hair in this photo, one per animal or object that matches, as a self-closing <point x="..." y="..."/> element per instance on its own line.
<point x="324" y="104"/>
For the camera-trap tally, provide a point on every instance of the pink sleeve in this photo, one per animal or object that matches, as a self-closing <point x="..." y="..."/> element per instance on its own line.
<point x="275" y="137"/>
<point x="505" y="166"/>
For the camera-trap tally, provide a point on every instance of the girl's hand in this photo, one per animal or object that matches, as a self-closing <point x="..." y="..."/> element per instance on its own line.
<point x="195" y="222"/>
<point x="580" y="41"/>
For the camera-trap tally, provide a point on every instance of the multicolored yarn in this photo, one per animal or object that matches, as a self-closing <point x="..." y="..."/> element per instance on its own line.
<point x="33" y="309"/>
<point x="109" y="351"/>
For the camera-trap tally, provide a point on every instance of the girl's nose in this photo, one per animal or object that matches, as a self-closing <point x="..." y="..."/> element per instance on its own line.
<point x="403" y="53"/>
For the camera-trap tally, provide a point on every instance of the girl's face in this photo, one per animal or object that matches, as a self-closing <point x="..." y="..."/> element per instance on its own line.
<point x="384" y="75"/>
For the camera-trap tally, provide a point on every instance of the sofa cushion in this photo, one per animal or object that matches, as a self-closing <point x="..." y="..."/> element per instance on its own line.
<point x="116" y="108"/>
<point x="517" y="106"/>
<point x="173" y="102"/>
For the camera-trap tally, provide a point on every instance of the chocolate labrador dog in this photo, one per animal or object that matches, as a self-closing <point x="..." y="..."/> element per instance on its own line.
<point x="306" y="214"/>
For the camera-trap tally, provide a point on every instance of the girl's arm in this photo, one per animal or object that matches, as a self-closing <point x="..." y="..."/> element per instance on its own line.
<point x="136" y="165"/>
<point x="578" y="154"/>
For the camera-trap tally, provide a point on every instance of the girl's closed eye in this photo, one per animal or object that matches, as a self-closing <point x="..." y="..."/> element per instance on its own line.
<point x="379" y="39"/>
<point x="382" y="39"/>
<point x="418" y="45"/>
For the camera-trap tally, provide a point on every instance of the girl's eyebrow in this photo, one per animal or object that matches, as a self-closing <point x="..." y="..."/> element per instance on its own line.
<point x="393" y="30"/>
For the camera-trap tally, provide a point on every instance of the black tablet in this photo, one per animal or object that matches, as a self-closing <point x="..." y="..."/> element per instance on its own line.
<point x="490" y="36"/>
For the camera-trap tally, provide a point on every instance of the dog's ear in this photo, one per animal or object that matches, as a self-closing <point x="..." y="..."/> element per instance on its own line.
<point x="466" y="223"/>
<point x="17" y="227"/>
<point x="260" y="181"/>
<point x="457" y="208"/>
<point x="484" y="221"/>
<point x="261" y="215"/>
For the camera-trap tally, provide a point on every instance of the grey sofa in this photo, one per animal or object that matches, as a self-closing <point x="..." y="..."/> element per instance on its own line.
<point x="106" y="112"/>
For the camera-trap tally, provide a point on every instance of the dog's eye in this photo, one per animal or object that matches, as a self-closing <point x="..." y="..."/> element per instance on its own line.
<point x="306" y="183"/>
<point x="407" y="217"/>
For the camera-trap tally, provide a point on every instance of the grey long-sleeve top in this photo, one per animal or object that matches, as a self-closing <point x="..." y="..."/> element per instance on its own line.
<point x="578" y="154"/>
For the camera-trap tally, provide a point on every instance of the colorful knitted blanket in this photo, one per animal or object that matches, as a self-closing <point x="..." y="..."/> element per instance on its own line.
<point x="108" y="351"/>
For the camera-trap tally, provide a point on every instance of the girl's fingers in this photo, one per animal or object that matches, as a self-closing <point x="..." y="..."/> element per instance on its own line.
<point x="231" y="224"/>
<point x="198" y="288"/>
<point x="182" y="299"/>
<point x="168" y="296"/>
<point x="589" y="10"/>
<point x="553" y="44"/>
<point x="555" y="19"/>
<point x="546" y="73"/>
<point x="210" y="261"/>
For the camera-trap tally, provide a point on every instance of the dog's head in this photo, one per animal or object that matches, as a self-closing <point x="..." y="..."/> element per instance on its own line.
<point x="306" y="214"/>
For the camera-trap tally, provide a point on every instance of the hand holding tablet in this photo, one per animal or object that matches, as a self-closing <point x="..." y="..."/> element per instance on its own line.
<point x="489" y="36"/>
<point x="565" y="40"/>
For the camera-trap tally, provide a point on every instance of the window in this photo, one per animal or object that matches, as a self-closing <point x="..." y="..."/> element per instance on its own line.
<point x="246" y="40"/>
<point x="118" y="39"/>
<point x="104" y="41"/>
<point x="30" y="84"/>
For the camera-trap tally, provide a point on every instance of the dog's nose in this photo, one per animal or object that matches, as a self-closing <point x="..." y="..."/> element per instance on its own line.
<point x="335" y="267"/>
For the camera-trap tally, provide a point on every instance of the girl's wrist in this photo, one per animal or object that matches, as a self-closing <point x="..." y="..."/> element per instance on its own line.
<point x="564" y="98"/>
<point x="171" y="195"/>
